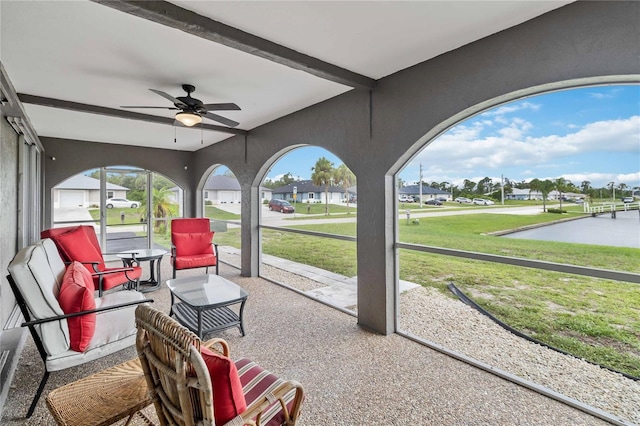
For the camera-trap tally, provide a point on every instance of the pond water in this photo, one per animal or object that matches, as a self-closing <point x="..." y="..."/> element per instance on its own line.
<point x="623" y="231"/>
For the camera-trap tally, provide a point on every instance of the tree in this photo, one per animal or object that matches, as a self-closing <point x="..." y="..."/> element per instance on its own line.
<point x="484" y="185"/>
<point x="622" y="187"/>
<point x="161" y="209"/>
<point x="585" y="186"/>
<point x="322" y="175"/>
<point x="345" y="178"/>
<point x="560" y="185"/>
<point x="468" y="186"/>
<point x="400" y="182"/>
<point x="544" y="187"/>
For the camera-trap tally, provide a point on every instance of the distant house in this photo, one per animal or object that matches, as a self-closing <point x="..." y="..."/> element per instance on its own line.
<point x="523" y="194"/>
<point x="307" y="192"/>
<point x="84" y="191"/>
<point x="428" y="193"/>
<point x="526" y="194"/>
<point x="220" y="189"/>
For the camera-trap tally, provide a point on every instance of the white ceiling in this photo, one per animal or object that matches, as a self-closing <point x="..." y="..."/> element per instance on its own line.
<point x="89" y="53"/>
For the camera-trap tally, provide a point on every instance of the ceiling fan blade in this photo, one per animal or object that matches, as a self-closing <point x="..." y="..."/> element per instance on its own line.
<point x="137" y="106"/>
<point x="220" y="119"/>
<point x="221" y="107"/>
<point x="175" y="101"/>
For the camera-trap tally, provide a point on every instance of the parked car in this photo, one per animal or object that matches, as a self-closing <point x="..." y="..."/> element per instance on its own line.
<point x="405" y="198"/>
<point x="281" y="206"/>
<point x="433" y="202"/>
<point x="121" y="203"/>
<point x="627" y="200"/>
<point x="483" y="202"/>
<point x="443" y="199"/>
<point x="462" y="200"/>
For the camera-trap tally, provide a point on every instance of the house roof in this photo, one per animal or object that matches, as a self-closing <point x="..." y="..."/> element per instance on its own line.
<point x="426" y="190"/>
<point x="221" y="183"/>
<point x="305" y="186"/>
<point x="87" y="182"/>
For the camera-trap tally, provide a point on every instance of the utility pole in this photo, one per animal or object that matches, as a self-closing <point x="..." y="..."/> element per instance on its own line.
<point x="502" y="188"/>
<point x="420" y="185"/>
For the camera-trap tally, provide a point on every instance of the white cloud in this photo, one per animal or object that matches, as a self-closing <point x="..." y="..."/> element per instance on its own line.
<point x="508" y="109"/>
<point x="465" y="150"/>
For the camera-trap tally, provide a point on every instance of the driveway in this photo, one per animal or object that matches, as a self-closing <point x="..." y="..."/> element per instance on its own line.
<point x="71" y="214"/>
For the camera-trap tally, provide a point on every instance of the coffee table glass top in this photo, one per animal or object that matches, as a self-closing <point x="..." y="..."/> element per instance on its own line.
<point x="206" y="290"/>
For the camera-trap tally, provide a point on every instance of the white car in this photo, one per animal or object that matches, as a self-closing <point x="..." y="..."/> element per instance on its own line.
<point x="121" y="203"/>
<point x="462" y="200"/>
<point x="483" y="202"/>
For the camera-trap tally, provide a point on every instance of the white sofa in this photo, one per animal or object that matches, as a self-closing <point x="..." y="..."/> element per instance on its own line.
<point x="35" y="276"/>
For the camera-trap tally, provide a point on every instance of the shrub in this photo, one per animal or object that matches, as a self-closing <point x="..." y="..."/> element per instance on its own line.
<point x="556" y="211"/>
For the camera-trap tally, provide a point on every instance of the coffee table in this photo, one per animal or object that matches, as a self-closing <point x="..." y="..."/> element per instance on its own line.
<point x="131" y="257"/>
<point x="203" y="303"/>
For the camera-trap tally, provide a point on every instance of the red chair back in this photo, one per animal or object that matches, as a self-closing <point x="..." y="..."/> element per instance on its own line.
<point x="189" y="225"/>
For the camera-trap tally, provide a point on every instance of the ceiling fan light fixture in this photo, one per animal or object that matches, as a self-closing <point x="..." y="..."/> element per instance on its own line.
<point x="188" y="118"/>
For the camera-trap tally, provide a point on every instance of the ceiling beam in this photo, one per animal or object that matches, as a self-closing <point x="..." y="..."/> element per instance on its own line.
<point x="173" y="16"/>
<point x="112" y="112"/>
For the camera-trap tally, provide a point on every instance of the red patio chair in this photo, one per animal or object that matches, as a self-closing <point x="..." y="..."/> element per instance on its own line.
<point x="80" y="243"/>
<point x="192" y="246"/>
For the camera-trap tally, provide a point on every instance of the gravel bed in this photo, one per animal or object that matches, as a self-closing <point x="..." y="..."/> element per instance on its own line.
<point x="427" y="313"/>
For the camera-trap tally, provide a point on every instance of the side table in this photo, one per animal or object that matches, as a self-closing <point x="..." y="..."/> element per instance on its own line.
<point x="154" y="256"/>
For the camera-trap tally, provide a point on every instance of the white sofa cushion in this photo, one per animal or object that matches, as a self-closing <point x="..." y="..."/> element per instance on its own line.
<point x="37" y="271"/>
<point x="115" y="330"/>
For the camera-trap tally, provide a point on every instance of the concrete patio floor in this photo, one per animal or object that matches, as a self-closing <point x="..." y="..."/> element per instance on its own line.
<point x="351" y="376"/>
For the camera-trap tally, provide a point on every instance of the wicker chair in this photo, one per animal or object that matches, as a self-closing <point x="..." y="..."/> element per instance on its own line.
<point x="180" y="385"/>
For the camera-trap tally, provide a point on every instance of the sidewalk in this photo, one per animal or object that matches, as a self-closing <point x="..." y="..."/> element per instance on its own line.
<point x="338" y="290"/>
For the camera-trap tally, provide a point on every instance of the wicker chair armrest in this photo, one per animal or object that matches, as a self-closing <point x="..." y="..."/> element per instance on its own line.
<point x="77" y="314"/>
<point x="217" y="341"/>
<point x="258" y="406"/>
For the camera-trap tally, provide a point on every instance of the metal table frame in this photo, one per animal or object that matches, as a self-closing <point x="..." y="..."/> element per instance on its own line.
<point x="206" y="318"/>
<point x="154" y="256"/>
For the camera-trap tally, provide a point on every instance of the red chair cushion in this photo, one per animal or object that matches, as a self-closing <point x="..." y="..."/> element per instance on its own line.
<point x="110" y="281"/>
<point x="191" y="224"/>
<point x="256" y="384"/>
<point x="192" y="243"/>
<point x="228" y="399"/>
<point x="76" y="295"/>
<point x="197" y="261"/>
<point x="77" y="245"/>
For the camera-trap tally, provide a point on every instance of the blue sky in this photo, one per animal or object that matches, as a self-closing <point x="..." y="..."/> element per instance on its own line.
<point x="591" y="133"/>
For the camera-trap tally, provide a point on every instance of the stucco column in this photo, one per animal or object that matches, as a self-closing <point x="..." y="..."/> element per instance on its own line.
<point x="250" y="238"/>
<point x="376" y="266"/>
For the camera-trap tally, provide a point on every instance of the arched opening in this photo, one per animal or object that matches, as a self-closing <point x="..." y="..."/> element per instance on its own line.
<point x="308" y="225"/>
<point x="550" y="158"/>
<point x="130" y="208"/>
<point x="221" y="196"/>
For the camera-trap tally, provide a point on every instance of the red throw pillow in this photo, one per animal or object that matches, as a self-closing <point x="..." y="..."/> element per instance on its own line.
<point x="76" y="245"/>
<point x="228" y="399"/>
<point x="76" y="295"/>
<point x="192" y="243"/>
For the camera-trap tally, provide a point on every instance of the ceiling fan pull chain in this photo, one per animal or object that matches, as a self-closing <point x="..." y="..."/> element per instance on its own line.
<point x="201" y="135"/>
<point x="175" y="132"/>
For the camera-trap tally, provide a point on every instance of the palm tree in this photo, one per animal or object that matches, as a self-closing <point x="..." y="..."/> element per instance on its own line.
<point x="162" y="208"/>
<point x="345" y="177"/>
<point x="322" y="175"/>
<point x="560" y="185"/>
<point x="544" y="187"/>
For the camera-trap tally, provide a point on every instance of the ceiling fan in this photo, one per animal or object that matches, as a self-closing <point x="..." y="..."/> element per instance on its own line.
<point x="192" y="110"/>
